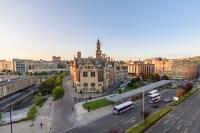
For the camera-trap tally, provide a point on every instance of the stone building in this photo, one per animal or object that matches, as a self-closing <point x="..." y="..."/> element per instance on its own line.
<point x="136" y="68"/>
<point x="93" y="74"/>
<point x="14" y="85"/>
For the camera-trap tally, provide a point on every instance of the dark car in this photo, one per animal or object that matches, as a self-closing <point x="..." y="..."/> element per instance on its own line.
<point x="154" y="105"/>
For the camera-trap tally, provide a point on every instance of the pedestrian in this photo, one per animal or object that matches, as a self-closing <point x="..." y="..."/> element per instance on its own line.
<point x="50" y="104"/>
<point x="72" y="108"/>
<point x="41" y="125"/>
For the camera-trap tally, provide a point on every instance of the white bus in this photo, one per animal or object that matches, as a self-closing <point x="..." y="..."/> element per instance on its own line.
<point x="122" y="107"/>
<point x="154" y="98"/>
<point x="153" y="92"/>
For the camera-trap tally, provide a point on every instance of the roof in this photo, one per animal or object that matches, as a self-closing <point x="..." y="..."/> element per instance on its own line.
<point x="123" y="104"/>
<point x="12" y="81"/>
<point x="154" y="95"/>
<point x="139" y="90"/>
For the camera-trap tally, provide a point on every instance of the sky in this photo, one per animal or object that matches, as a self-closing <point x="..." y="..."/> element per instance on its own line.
<point x="127" y="29"/>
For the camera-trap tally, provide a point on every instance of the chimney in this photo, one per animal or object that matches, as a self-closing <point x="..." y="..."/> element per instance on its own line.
<point x="103" y="56"/>
<point x="78" y="55"/>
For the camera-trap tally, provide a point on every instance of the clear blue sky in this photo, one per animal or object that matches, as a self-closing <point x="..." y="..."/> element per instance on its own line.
<point x="128" y="29"/>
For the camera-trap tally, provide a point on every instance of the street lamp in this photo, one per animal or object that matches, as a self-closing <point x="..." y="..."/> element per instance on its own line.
<point x="10" y="118"/>
<point x="143" y="105"/>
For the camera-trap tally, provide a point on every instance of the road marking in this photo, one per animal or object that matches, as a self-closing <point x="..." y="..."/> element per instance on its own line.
<point x="166" y="121"/>
<point x="186" y="130"/>
<point x="178" y="127"/>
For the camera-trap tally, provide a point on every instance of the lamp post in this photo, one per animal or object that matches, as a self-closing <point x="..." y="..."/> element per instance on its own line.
<point x="10" y="118"/>
<point x="143" y="105"/>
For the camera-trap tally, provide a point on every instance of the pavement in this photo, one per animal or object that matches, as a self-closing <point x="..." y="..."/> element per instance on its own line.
<point x="184" y="119"/>
<point x="44" y="117"/>
<point x="118" y="122"/>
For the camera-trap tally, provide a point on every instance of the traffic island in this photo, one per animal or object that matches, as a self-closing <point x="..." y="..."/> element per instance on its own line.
<point x="95" y="104"/>
<point x="183" y="98"/>
<point x="151" y="120"/>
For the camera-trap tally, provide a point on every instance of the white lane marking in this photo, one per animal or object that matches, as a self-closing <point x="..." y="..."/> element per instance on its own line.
<point x="178" y="127"/>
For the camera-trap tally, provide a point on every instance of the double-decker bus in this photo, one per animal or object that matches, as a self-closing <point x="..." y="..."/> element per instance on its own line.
<point x="123" y="107"/>
<point x="153" y="92"/>
<point x="154" y="98"/>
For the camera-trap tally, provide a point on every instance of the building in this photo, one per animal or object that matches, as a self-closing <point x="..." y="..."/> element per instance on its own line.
<point x="11" y="86"/>
<point x="136" y="68"/>
<point x="184" y="70"/>
<point x="21" y="66"/>
<point x="175" y="69"/>
<point x="56" y="58"/>
<point x="5" y="65"/>
<point x="93" y="74"/>
<point x="120" y="71"/>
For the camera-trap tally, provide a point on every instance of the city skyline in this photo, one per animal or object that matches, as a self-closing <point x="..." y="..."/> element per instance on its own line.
<point x="127" y="30"/>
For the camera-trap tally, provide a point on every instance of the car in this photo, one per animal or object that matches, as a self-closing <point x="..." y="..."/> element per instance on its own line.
<point x="168" y="99"/>
<point x="154" y="105"/>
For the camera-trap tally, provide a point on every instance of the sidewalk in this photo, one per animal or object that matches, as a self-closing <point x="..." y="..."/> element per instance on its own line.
<point x="44" y="117"/>
<point x="84" y="117"/>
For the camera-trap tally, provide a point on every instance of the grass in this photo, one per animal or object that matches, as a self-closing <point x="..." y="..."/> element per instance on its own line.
<point x="183" y="98"/>
<point x="152" y="119"/>
<point x="97" y="103"/>
<point x="135" y="86"/>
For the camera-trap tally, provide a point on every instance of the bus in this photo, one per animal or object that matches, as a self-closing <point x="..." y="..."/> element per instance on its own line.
<point x="123" y="107"/>
<point x="153" y="92"/>
<point x="154" y="98"/>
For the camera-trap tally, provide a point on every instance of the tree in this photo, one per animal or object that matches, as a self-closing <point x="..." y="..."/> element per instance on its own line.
<point x="187" y="86"/>
<point x="32" y="113"/>
<point x="58" y="93"/>
<point x="130" y="85"/>
<point x="58" y="81"/>
<point x="47" y="86"/>
<point x="146" y="113"/>
<point x="38" y="99"/>
<point x="144" y="77"/>
<point x="165" y="77"/>
<point x="155" y="77"/>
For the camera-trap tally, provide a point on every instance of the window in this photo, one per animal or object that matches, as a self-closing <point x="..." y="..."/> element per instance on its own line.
<point x="85" y="74"/>
<point x="92" y="74"/>
<point x="85" y="84"/>
<point x="93" y="84"/>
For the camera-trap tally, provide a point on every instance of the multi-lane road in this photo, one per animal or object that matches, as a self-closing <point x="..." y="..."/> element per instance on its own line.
<point x="184" y="119"/>
<point x="120" y="122"/>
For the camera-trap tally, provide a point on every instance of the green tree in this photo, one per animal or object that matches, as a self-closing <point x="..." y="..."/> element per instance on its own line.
<point x="165" y="77"/>
<point x="155" y="77"/>
<point x="38" y="99"/>
<point x="58" y="93"/>
<point x="47" y="86"/>
<point x="58" y="81"/>
<point x="32" y="113"/>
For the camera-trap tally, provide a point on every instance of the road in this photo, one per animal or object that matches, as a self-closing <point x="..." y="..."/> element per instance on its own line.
<point x="63" y="118"/>
<point x="120" y="122"/>
<point x="184" y="119"/>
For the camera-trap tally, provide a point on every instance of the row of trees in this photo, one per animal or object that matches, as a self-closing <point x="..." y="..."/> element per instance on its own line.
<point x="51" y="86"/>
<point x="52" y="82"/>
<point x="154" y="77"/>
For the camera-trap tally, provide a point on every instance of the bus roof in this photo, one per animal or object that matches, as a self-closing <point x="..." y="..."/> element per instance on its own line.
<point x="153" y="91"/>
<point x="123" y="105"/>
<point x="154" y="95"/>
